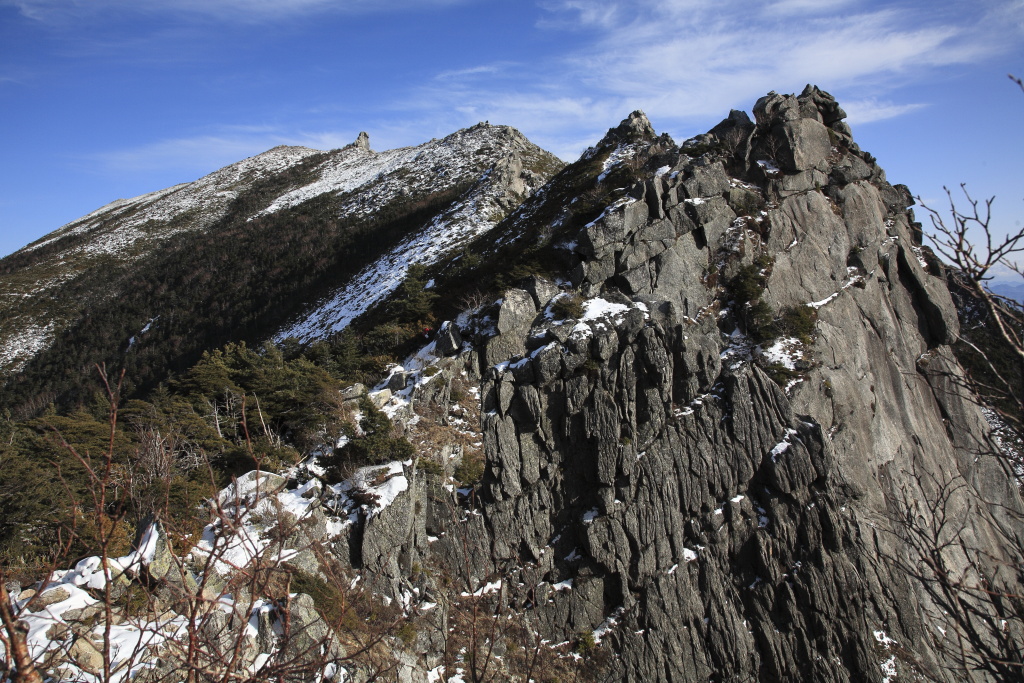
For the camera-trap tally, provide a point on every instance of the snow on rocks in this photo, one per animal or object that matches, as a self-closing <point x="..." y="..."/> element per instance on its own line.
<point x="371" y="489"/>
<point x="598" y="308"/>
<point x="618" y="155"/>
<point x="785" y="351"/>
<point x="473" y="214"/>
<point x="855" y="278"/>
<point x="69" y="594"/>
<point x="26" y="341"/>
<point x="788" y="353"/>
<point x="738" y="351"/>
<point x="597" y="314"/>
<point x="62" y="619"/>
<point x="770" y="168"/>
<point x="617" y="204"/>
<point x="818" y="304"/>
<point x="783" y="445"/>
<point x="251" y="506"/>
<point x="1007" y="441"/>
<point x="486" y="589"/>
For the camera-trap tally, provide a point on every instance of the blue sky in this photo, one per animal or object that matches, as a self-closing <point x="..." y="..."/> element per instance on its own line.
<point x="102" y="99"/>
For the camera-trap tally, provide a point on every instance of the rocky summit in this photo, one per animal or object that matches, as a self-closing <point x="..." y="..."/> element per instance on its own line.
<point x="712" y="429"/>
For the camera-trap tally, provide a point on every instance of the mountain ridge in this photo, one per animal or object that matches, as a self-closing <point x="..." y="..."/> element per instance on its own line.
<point x="352" y="187"/>
<point x="697" y="417"/>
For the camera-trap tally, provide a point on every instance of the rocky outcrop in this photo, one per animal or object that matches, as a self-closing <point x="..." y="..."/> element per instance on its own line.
<point x="362" y="141"/>
<point x="734" y="526"/>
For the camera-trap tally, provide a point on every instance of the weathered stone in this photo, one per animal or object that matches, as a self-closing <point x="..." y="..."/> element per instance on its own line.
<point x="449" y="340"/>
<point x="744" y="202"/>
<point x="806" y="144"/>
<point x="707" y="181"/>
<point x="354" y="391"/>
<point x="380" y="398"/>
<point x="774" y="107"/>
<point x="713" y="215"/>
<point x="515" y="316"/>
<point x="850" y="169"/>
<point x="86" y="655"/>
<point x="541" y="289"/>
<point x="83" y="614"/>
<point x="397" y="381"/>
<point x="49" y="597"/>
<point x="13" y="589"/>
<point x="828" y="110"/>
<point x="362" y="141"/>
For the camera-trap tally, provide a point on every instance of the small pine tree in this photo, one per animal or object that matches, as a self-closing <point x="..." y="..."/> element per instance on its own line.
<point x="413" y="302"/>
<point x="376" y="445"/>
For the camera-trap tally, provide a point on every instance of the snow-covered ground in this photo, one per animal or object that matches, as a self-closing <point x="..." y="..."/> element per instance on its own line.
<point x="27" y="340"/>
<point x="472" y="215"/>
<point x="241" y="535"/>
<point x="375" y="282"/>
<point x="210" y="197"/>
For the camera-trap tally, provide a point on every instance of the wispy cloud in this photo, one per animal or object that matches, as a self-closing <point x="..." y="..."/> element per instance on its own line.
<point x="482" y="70"/>
<point x="804" y="7"/>
<point x="685" y="61"/>
<point x="202" y="154"/>
<point x="58" y="11"/>
<point x="580" y="14"/>
<point x="870" y="110"/>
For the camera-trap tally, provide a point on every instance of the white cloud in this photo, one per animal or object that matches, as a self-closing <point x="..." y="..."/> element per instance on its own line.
<point x="803" y="7"/>
<point x="870" y="110"/>
<point x="57" y="11"/>
<point x="205" y="153"/>
<point x="482" y="70"/>
<point x="585" y="13"/>
<point x="686" y="62"/>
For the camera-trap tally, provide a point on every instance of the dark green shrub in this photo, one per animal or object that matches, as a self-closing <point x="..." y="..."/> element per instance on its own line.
<point x="798" y="321"/>
<point x="470" y="470"/>
<point x="376" y="445"/>
<point x="430" y="467"/>
<point x="780" y="374"/>
<point x="747" y="284"/>
<point x="567" y="306"/>
<point x="586" y="643"/>
<point x="407" y="633"/>
<point x="760" y="320"/>
<point x="412" y="302"/>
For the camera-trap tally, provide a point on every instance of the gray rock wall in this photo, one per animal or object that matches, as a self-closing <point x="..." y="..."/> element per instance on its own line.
<point x="648" y="471"/>
<point x="734" y="530"/>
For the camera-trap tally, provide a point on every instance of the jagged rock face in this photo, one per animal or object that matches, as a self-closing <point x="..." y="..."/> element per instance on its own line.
<point x="732" y="528"/>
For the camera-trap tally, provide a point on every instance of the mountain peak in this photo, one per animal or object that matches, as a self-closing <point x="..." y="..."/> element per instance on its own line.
<point x="362" y="141"/>
<point x="633" y="128"/>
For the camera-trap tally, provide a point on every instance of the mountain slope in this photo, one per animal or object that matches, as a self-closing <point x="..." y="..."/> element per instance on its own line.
<point x="149" y="283"/>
